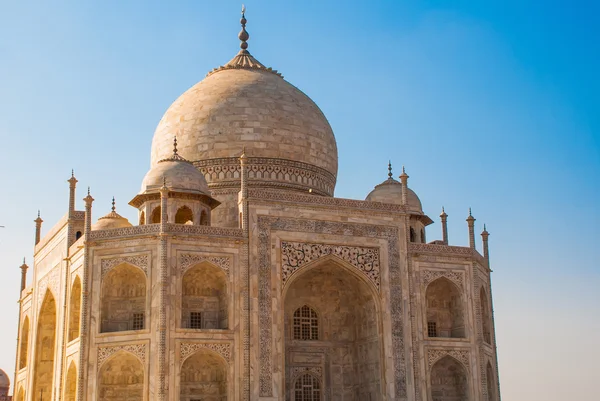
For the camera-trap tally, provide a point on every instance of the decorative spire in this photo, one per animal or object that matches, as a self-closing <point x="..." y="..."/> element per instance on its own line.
<point x="390" y="175"/>
<point x="113" y="204"/>
<point x="176" y="157"/>
<point x="243" y="35"/>
<point x="443" y="214"/>
<point x="175" y="146"/>
<point x="444" y="218"/>
<point x="471" y="224"/>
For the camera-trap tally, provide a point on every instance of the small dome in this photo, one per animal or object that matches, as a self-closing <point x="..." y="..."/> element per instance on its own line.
<point x="111" y="220"/>
<point x="180" y="176"/>
<point x="390" y="191"/>
<point x="4" y="380"/>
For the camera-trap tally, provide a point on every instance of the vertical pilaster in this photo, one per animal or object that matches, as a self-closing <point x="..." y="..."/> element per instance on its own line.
<point x="471" y="223"/>
<point x="444" y="218"/>
<point x="70" y="229"/>
<point x="404" y="181"/>
<point x="23" y="268"/>
<point x="85" y="288"/>
<point x="245" y="277"/>
<point x="38" y="228"/>
<point x="486" y="252"/>
<point x="162" y="316"/>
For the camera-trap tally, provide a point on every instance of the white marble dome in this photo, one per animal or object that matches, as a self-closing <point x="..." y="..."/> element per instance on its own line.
<point x="390" y="191"/>
<point x="4" y="380"/>
<point x="111" y="220"/>
<point x="180" y="176"/>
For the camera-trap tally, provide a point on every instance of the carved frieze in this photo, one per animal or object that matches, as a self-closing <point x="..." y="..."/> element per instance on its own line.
<point x="142" y="261"/>
<point x="50" y="281"/>
<point x="187" y="260"/>
<point x="434" y="355"/>
<point x="295" y="255"/>
<point x="139" y="350"/>
<point x="299" y="370"/>
<point x="187" y="348"/>
<point x="457" y="277"/>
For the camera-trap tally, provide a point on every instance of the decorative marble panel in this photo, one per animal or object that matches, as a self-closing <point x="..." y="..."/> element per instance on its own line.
<point x="139" y="350"/>
<point x="187" y="260"/>
<point x="427" y="276"/>
<point x="295" y="255"/>
<point x="434" y="355"/>
<point x="141" y="261"/>
<point x="49" y="281"/>
<point x="187" y="349"/>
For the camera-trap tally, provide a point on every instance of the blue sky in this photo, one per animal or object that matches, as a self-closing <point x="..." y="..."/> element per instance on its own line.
<point x="490" y="105"/>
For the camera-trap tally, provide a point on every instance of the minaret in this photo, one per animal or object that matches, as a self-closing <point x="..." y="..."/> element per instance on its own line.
<point x="404" y="181"/>
<point x="162" y="314"/>
<point x="243" y="35"/>
<point x="486" y="252"/>
<point x="72" y="185"/>
<point x="444" y="218"/>
<point x="24" y="268"/>
<point x="38" y="228"/>
<point x="471" y="223"/>
<point x="243" y="191"/>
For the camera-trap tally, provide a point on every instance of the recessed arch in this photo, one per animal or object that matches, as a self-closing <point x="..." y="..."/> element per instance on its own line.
<point x="305" y="324"/>
<point x="24" y="346"/>
<point x="486" y="320"/>
<point x="204" y="376"/>
<point x="75" y="309"/>
<point x="121" y="378"/>
<point x="445" y="309"/>
<point x="347" y="305"/>
<point x="142" y="218"/>
<point x="204" y="218"/>
<point x="449" y="380"/>
<point x="204" y="297"/>
<point x="43" y="371"/>
<point x="491" y="382"/>
<point x="307" y="387"/>
<point x="184" y="215"/>
<point x="20" y="394"/>
<point x="123" y="299"/>
<point x="71" y="383"/>
<point x="156" y="215"/>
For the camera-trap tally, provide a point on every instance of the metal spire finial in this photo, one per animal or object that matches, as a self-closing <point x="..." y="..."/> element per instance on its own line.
<point x="175" y="145"/>
<point x="88" y="191"/>
<point x="243" y="35"/>
<point x="470" y="212"/>
<point x="113" y="204"/>
<point x="38" y="213"/>
<point x="390" y="169"/>
<point x="72" y="172"/>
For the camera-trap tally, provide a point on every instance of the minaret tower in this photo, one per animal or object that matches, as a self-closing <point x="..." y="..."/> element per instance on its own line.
<point x="471" y="223"/>
<point x="38" y="228"/>
<point x="444" y="218"/>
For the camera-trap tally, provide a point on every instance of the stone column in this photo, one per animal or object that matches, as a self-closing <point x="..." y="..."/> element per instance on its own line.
<point x="471" y="223"/>
<point x="38" y="228"/>
<point x="404" y="181"/>
<point x="245" y="276"/>
<point x="24" y="268"/>
<point x="444" y="218"/>
<point x="162" y="316"/>
<point x="85" y="288"/>
<point x="72" y="185"/>
<point x="486" y="252"/>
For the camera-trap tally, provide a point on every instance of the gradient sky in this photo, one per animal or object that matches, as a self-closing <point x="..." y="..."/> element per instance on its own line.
<point x="492" y="105"/>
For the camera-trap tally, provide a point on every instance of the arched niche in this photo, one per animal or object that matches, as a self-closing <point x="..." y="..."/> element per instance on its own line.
<point x="204" y="218"/>
<point x="491" y="382"/>
<point x="71" y="383"/>
<point x="204" y="298"/>
<point x="20" y="395"/>
<point x="142" y="218"/>
<point x="445" y="312"/>
<point x="123" y="299"/>
<point x="486" y="321"/>
<point x="156" y="215"/>
<point x="449" y="381"/>
<point x="43" y="370"/>
<point x="348" y="346"/>
<point x="75" y="309"/>
<point x="24" y="346"/>
<point x="121" y="378"/>
<point x="184" y="215"/>
<point x="307" y="387"/>
<point x="203" y="377"/>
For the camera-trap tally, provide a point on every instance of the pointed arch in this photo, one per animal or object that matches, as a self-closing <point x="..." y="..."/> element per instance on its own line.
<point x="75" y="309"/>
<point x="20" y="394"/>
<point x="204" y="376"/>
<point x="445" y="310"/>
<point x="423" y="240"/>
<point x="307" y="387"/>
<point x="184" y="215"/>
<point x="449" y="380"/>
<point x="156" y="215"/>
<point x="43" y="371"/>
<point x="121" y="378"/>
<point x="71" y="383"/>
<point x="305" y="324"/>
<point x="142" y="218"/>
<point x="204" y="297"/>
<point x="413" y="235"/>
<point x="204" y="218"/>
<point x="123" y="299"/>
<point x="491" y="382"/>
<point x="24" y="346"/>
<point x="486" y="321"/>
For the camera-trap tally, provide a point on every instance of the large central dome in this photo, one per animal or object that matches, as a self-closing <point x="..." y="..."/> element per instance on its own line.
<point x="244" y="105"/>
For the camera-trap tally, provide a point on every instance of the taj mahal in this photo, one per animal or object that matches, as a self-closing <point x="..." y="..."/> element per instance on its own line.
<point x="245" y="279"/>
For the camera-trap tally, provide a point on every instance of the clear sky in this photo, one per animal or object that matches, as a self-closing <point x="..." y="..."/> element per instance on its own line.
<point x="492" y="105"/>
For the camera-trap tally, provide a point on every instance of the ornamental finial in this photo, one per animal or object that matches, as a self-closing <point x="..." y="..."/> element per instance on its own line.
<point x="175" y="145"/>
<point x="113" y="204"/>
<point x="243" y="35"/>
<point x="390" y="170"/>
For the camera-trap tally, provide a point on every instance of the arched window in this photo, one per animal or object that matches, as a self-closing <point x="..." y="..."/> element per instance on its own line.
<point x="486" y="321"/>
<point x="412" y="235"/>
<point x="142" y="218"/>
<point x="156" y="214"/>
<point x="307" y="388"/>
<point x="203" y="377"/>
<point x="123" y="299"/>
<point x="445" y="317"/>
<point x="203" y="218"/>
<point x="306" y="324"/>
<point x="449" y="379"/>
<point x="77" y="235"/>
<point x="204" y="298"/>
<point x="24" y="343"/>
<point x="121" y="378"/>
<point x="75" y="309"/>
<point x="184" y="216"/>
<point x="423" y="236"/>
<point x="45" y="347"/>
<point x="71" y="384"/>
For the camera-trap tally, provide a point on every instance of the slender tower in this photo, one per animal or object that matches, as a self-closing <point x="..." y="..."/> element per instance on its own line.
<point x="471" y="223"/>
<point x="404" y="181"/>
<point x="444" y="218"/>
<point x="38" y="228"/>
<point x="486" y="252"/>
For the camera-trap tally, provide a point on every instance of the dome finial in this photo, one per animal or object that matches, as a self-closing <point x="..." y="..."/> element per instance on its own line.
<point x="175" y="145"/>
<point x="243" y="35"/>
<point x="390" y="175"/>
<point x="113" y="204"/>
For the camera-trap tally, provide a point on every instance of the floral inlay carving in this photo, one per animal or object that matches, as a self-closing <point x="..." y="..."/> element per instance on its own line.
<point x="49" y="281"/>
<point x="434" y="355"/>
<point x="139" y="350"/>
<point x="188" y="260"/>
<point x="427" y="276"/>
<point x="295" y="255"/>
<point x="187" y="349"/>
<point x="140" y="261"/>
<point x="298" y="370"/>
